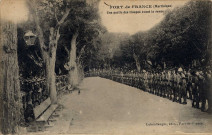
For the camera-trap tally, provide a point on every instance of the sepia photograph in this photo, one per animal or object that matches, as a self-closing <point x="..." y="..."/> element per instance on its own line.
<point x="105" y="67"/>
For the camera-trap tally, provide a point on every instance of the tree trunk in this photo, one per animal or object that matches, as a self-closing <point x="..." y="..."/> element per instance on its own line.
<point x="50" y="77"/>
<point x="49" y="56"/>
<point x="10" y="84"/>
<point x="50" y="65"/>
<point x="73" y="71"/>
<point x="137" y="62"/>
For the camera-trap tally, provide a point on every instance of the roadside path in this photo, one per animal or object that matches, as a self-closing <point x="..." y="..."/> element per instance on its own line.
<point x="105" y="106"/>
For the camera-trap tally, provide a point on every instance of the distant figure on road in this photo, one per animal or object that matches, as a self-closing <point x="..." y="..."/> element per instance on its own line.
<point x="122" y="75"/>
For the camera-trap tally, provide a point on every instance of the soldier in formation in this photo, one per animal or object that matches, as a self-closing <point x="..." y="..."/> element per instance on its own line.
<point x="177" y="84"/>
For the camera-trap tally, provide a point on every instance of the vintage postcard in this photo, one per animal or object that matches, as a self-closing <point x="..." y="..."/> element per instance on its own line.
<point x="105" y="67"/>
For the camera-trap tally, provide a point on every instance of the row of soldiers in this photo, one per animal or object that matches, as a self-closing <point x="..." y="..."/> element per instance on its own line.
<point x="177" y="85"/>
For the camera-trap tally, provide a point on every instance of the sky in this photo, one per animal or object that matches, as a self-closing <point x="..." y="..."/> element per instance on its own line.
<point x="14" y="10"/>
<point x="131" y="22"/>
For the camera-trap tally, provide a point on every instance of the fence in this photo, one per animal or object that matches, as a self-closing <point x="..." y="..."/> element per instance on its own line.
<point x="34" y="92"/>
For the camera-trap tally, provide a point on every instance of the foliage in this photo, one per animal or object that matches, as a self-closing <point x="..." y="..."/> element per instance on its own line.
<point x="85" y="21"/>
<point x="183" y="36"/>
<point x="82" y="18"/>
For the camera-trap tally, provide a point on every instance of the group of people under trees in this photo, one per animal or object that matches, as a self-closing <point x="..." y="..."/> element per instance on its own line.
<point x="176" y="84"/>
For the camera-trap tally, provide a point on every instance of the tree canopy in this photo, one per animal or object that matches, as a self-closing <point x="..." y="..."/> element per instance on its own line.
<point x="181" y="38"/>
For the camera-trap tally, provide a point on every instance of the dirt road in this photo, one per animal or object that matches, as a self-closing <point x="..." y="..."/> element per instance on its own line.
<point x="105" y="106"/>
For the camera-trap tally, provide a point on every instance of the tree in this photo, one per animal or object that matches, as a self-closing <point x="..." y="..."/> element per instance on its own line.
<point x="46" y="13"/>
<point x="107" y="45"/>
<point x="182" y="36"/>
<point x="10" y="85"/>
<point x="139" y="49"/>
<point x="133" y="50"/>
<point x="83" y="28"/>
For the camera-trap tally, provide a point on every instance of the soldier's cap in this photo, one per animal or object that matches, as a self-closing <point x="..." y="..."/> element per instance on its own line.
<point x="197" y="73"/>
<point x="201" y="72"/>
<point x="180" y="69"/>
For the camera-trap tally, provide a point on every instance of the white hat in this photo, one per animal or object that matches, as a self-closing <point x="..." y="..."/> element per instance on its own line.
<point x="180" y="69"/>
<point x="29" y="33"/>
<point x="197" y="73"/>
